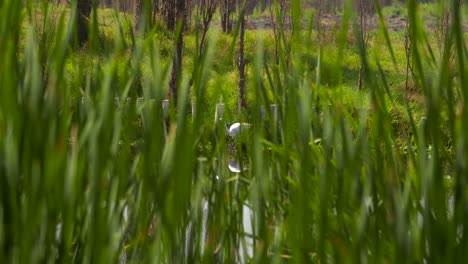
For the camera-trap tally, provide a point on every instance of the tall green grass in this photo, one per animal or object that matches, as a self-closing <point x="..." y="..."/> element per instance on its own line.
<point x="103" y="180"/>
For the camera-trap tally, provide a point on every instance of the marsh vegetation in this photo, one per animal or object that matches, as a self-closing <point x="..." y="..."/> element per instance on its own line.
<point x="117" y="123"/>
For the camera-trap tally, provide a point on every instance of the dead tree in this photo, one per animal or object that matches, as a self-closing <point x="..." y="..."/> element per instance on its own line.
<point x="226" y="8"/>
<point x="318" y="15"/>
<point x="167" y="9"/>
<point x="409" y="67"/>
<point x="365" y="10"/>
<point x="154" y="9"/>
<point x="442" y="26"/>
<point x="177" y="59"/>
<point x="280" y="22"/>
<point x="206" y="10"/>
<point x="83" y="12"/>
<point x="137" y="13"/>
<point x="241" y="62"/>
<point x="442" y="29"/>
<point x="189" y="5"/>
<point x="142" y="10"/>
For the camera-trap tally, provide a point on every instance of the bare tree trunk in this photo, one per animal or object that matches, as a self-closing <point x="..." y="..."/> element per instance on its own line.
<point x="226" y="11"/>
<point x="168" y="13"/>
<point x="319" y="10"/>
<point x="154" y="10"/>
<point x="83" y="14"/>
<point x="206" y="10"/>
<point x="407" y="53"/>
<point x="365" y="11"/>
<point x="279" y="23"/>
<point x="187" y="13"/>
<point x="142" y="10"/>
<point x="242" y="100"/>
<point x="137" y="11"/>
<point x="177" y="60"/>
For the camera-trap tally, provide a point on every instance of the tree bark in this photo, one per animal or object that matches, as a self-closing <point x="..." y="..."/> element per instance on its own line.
<point x="242" y="100"/>
<point x="365" y="10"/>
<point x="83" y="10"/>
<point x="206" y="11"/>
<point x="407" y="53"/>
<point x="319" y="10"/>
<point x="226" y="10"/>
<point x="168" y="13"/>
<point x="137" y="11"/>
<point x="154" y="10"/>
<point x="177" y="59"/>
<point x="142" y="10"/>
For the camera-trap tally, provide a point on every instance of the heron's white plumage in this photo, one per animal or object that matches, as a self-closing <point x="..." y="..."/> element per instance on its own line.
<point x="235" y="128"/>
<point x="235" y="167"/>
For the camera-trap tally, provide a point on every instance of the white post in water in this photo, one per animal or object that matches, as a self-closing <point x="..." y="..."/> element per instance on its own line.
<point x="131" y="110"/>
<point x="219" y="113"/>
<point x="274" y="117"/>
<point x="129" y="100"/>
<point x="84" y="102"/>
<point x="194" y="108"/>
<point x="165" y="107"/>
<point x="274" y="112"/>
<point x="83" y="105"/>
<point x="220" y="135"/>
<point x="141" y="112"/>
<point x="79" y="106"/>
<point x="262" y="112"/>
<point x="139" y="102"/>
<point x="247" y="225"/>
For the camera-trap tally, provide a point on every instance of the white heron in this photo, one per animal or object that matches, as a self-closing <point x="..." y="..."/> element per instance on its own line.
<point x="235" y="128"/>
<point x="235" y="167"/>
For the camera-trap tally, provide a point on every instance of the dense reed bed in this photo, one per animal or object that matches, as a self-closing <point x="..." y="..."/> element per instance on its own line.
<point x="106" y="179"/>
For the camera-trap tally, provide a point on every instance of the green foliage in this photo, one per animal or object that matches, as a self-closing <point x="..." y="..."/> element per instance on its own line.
<point x="335" y="174"/>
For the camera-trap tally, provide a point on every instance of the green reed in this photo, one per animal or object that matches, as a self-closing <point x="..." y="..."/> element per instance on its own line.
<point x="108" y="178"/>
